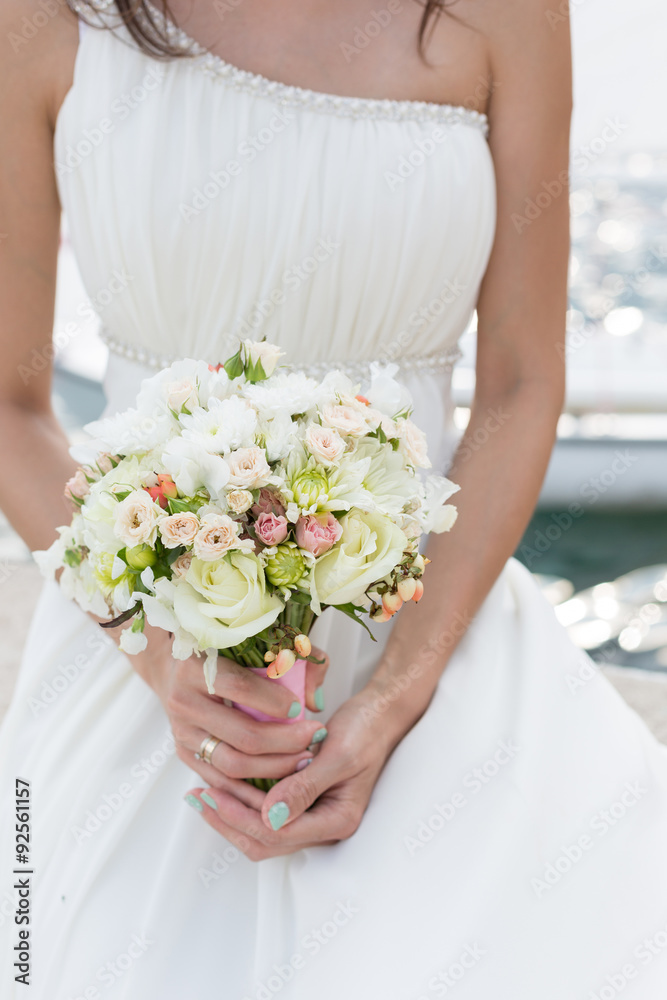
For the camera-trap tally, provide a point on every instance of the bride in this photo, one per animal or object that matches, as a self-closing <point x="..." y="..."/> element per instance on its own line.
<point x="469" y="808"/>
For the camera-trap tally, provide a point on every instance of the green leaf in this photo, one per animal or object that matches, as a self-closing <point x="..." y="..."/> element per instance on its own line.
<point x="176" y="505"/>
<point x="121" y="494"/>
<point x="73" y="557"/>
<point x="352" y="611"/>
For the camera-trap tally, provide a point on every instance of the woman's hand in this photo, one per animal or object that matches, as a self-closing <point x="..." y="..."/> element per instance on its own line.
<point x="337" y="785"/>
<point x="248" y="748"/>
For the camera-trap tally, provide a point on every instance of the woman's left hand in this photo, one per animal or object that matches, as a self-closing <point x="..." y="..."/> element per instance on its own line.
<point x="339" y="781"/>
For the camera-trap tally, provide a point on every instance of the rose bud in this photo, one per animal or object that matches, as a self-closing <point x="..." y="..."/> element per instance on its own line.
<point x="419" y="591"/>
<point x="406" y="588"/>
<point x="139" y="557"/>
<point x="391" y="603"/>
<point x="284" y="661"/>
<point x="302" y="645"/>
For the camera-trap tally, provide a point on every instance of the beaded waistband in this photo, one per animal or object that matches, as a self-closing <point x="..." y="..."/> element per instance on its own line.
<point x="427" y="364"/>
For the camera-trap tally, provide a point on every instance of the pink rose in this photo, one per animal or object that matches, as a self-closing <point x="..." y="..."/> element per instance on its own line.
<point x="271" y="528"/>
<point x="267" y="503"/>
<point x="77" y="487"/>
<point x="318" y="532"/>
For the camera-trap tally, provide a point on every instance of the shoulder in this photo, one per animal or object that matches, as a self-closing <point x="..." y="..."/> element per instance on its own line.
<point x="37" y="67"/>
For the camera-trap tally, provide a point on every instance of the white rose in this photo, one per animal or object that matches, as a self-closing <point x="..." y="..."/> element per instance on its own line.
<point x="436" y="515"/>
<point x="180" y="394"/>
<point x="217" y="535"/>
<point x="412" y="444"/>
<point x="324" y="443"/>
<point x="346" y="418"/>
<point x="224" y="602"/>
<point x="261" y="352"/>
<point x="179" y="529"/>
<point x="239" y="501"/>
<point x="370" y="547"/>
<point x="248" y="468"/>
<point x="137" y="519"/>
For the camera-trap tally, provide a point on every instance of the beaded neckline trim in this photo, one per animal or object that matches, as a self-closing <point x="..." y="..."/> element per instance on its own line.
<point x="309" y="100"/>
<point x="428" y="364"/>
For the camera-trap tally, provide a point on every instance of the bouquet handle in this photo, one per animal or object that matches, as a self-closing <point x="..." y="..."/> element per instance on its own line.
<point x="294" y="680"/>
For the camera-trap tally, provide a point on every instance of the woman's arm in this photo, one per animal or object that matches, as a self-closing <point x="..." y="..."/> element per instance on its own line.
<point x="33" y="449"/>
<point x="518" y="398"/>
<point x="34" y="459"/>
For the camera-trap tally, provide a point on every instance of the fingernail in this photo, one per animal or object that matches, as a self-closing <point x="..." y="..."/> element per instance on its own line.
<point x="295" y="709"/>
<point x="320" y="735"/>
<point x="302" y="763"/>
<point x="278" y="814"/>
<point x="193" y="801"/>
<point x="319" y="698"/>
<point x="209" y="800"/>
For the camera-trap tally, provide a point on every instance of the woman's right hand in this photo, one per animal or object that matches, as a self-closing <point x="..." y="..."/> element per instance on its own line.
<point x="248" y="748"/>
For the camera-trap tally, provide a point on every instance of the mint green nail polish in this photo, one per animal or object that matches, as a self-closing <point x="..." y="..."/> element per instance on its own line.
<point x="209" y="800"/>
<point x="294" y="710"/>
<point x="193" y="801"/>
<point x="319" y="698"/>
<point x="320" y="735"/>
<point x="278" y="814"/>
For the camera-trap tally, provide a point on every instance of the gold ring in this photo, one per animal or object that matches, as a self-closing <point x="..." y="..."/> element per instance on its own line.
<point x="208" y="745"/>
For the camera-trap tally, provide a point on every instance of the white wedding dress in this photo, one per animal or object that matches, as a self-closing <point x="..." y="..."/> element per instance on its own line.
<point x="515" y="846"/>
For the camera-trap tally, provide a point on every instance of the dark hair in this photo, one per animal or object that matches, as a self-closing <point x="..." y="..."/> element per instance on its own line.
<point x="150" y="36"/>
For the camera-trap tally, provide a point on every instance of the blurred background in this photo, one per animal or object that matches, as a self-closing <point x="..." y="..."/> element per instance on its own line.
<point x="598" y="540"/>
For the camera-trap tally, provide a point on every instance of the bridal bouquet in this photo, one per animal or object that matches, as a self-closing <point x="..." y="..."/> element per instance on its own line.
<point x="235" y="502"/>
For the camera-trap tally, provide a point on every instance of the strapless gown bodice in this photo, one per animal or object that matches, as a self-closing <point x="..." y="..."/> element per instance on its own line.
<point x="206" y="203"/>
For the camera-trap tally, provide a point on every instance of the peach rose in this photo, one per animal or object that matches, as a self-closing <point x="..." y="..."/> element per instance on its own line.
<point x="324" y="443"/>
<point x="136" y="519"/>
<point x="180" y="566"/>
<point x="239" y="501"/>
<point x="412" y="444"/>
<point x="180" y="394"/>
<point x="179" y="529"/>
<point x="348" y="418"/>
<point x="248" y="468"/>
<point x="217" y="535"/>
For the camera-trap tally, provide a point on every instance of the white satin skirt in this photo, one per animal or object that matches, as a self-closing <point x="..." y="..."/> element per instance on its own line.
<point x="515" y="845"/>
